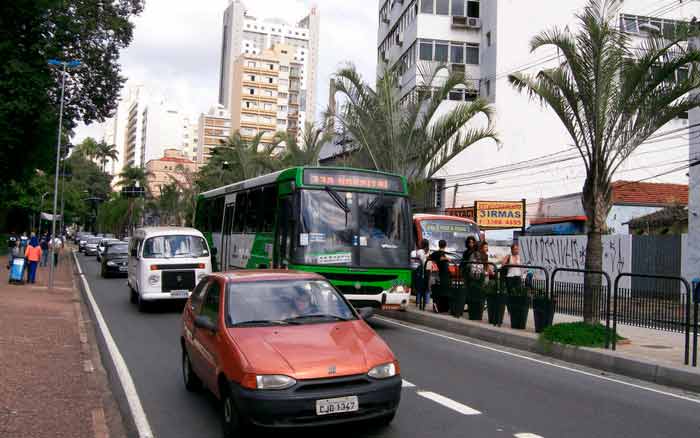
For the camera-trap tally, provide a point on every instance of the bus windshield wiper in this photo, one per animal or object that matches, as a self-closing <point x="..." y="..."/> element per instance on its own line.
<point x="338" y="199"/>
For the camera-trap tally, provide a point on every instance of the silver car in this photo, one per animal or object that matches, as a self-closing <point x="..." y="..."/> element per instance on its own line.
<point x="91" y="245"/>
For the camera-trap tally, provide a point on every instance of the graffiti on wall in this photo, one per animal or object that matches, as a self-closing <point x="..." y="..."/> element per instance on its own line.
<point x="570" y="252"/>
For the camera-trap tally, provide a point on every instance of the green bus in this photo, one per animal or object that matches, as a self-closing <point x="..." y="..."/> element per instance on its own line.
<point x="351" y="226"/>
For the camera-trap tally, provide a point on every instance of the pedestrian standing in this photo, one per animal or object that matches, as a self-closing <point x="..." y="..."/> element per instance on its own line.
<point x="421" y="283"/>
<point x="44" y="243"/>
<point x="57" y="246"/>
<point x="23" y="242"/>
<point x="514" y="276"/>
<point x="33" y="255"/>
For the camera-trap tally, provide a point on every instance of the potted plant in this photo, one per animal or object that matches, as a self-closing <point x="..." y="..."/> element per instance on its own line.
<point x="518" y="303"/>
<point x="475" y="300"/>
<point x="495" y="303"/>
<point x="543" y="307"/>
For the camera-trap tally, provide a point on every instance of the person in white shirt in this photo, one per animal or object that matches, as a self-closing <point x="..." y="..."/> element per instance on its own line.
<point x="514" y="276"/>
<point x="421" y="279"/>
<point x="57" y="246"/>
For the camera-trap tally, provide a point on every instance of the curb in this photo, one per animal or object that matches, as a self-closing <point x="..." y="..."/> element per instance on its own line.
<point x="677" y="377"/>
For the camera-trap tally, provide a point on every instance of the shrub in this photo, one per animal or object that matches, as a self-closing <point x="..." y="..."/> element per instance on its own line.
<point x="577" y="333"/>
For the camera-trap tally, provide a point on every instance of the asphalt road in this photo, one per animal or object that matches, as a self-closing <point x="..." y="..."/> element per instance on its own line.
<point x="454" y="387"/>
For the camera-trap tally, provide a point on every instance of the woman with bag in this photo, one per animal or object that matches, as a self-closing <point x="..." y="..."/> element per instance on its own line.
<point x="33" y="255"/>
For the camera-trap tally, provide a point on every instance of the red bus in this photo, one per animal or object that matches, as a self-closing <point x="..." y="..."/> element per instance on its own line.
<point x="452" y="229"/>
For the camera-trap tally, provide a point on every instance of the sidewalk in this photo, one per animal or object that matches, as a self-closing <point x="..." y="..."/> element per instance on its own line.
<point x="52" y="381"/>
<point x="651" y="355"/>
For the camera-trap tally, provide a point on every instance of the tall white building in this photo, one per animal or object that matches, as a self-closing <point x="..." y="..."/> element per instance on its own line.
<point x="190" y="137"/>
<point x="244" y="34"/>
<point x="489" y="40"/>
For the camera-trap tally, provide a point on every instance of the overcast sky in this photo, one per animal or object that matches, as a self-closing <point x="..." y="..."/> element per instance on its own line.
<point x="177" y="46"/>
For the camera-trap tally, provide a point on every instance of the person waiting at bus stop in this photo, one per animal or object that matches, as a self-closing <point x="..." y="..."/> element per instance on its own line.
<point x="421" y="280"/>
<point x="513" y="275"/>
<point x="442" y="289"/>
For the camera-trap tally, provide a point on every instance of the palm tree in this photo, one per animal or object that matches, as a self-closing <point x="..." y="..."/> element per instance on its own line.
<point x="88" y="148"/>
<point x="306" y="153"/>
<point x="407" y="136"/>
<point x="104" y="152"/>
<point x="133" y="176"/>
<point x="611" y="98"/>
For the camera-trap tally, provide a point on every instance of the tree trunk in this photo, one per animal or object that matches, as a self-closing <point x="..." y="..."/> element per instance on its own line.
<point x="596" y="202"/>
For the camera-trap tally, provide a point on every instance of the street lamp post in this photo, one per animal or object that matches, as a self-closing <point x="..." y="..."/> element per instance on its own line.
<point x="64" y="65"/>
<point x="457" y="186"/>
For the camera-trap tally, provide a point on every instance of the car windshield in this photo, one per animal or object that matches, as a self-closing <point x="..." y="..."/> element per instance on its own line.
<point x="94" y="241"/>
<point x="454" y="232"/>
<point x="117" y="249"/>
<point x="353" y="229"/>
<point x="285" y="302"/>
<point x="175" y="246"/>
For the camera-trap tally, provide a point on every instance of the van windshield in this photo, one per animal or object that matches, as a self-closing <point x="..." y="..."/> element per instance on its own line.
<point x="176" y="246"/>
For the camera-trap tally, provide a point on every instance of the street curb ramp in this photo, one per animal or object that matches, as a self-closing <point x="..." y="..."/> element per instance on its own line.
<point x="606" y="360"/>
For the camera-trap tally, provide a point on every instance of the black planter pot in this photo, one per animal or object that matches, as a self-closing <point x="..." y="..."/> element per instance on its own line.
<point x="543" y="311"/>
<point x="496" y="308"/>
<point x="476" y="308"/>
<point x="518" y="308"/>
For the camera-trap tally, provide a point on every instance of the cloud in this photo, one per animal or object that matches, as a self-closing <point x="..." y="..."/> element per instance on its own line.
<point x="177" y="46"/>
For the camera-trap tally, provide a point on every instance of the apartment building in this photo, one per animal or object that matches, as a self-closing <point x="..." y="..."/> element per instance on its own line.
<point x="190" y="137"/>
<point x="489" y="40"/>
<point x="245" y="36"/>
<point x="214" y="128"/>
<point x="173" y="166"/>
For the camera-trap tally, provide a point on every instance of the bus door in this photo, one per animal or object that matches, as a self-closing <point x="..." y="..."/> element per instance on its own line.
<point x="227" y="233"/>
<point x="285" y="232"/>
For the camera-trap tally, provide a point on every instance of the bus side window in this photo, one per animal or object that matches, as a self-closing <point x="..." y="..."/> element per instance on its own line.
<point x="269" y="203"/>
<point x="217" y="214"/>
<point x="201" y="217"/>
<point x="253" y="221"/>
<point x="240" y="213"/>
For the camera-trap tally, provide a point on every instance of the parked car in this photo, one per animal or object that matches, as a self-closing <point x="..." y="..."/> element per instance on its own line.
<point x="166" y="263"/>
<point x="91" y="246"/>
<point x="115" y="260"/>
<point x="102" y="245"/>
<point x="283" y="348"/>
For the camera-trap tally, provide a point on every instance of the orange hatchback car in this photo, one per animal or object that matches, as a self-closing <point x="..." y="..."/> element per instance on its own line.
<point x="285" y="349"/>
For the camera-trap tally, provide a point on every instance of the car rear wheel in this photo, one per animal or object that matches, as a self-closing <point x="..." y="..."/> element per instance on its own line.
<point x="192" y="381"/>
<point x="230" y="420"/>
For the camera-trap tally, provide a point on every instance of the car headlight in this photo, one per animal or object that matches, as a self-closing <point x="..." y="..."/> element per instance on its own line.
<point x="153" y="279"/>
<point x="111" y="263"/>
<point x="399" y="289"/>
<point x="383" y="371"/>
<point x="274" y="382"/>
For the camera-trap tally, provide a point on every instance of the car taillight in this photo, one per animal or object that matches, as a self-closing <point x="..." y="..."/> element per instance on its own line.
<point x="154" y="267"/>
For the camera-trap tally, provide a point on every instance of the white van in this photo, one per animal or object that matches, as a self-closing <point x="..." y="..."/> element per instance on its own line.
<point x="166" y="263"/>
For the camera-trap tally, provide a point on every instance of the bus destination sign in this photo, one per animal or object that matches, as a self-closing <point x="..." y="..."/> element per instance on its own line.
<point x="354" y="179"/>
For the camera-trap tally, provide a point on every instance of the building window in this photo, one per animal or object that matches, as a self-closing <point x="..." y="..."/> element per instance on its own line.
<point x="251" y="91"/>
<point x="488" y="87"/>
<point x="473" y="55"/>
<point x="270" y="80"/>
<point x="426" y="51"/>
<point x="268" y="107"/>
<point x="252" y="78"/>
<point x="426" y="6"/>
<point x="457" y="54"/>
<point x="442" y="7"/>
<point x="473" y="9"/>
<point x="458" y="8"/>
<point x="488" y="38"/>
<point x="441" y="52"/>
<point x="284" y="68"/>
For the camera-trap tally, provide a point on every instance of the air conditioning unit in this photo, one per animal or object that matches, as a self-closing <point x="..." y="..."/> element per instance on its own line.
<point x="459" y="22"/>
<point x="474" y="23"/>
<point x="399" y="38"/>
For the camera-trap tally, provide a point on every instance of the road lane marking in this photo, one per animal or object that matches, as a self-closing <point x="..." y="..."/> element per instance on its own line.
<point x="406" y="384"/>
<point x="541" y="362"/>
<point x="448" y="403"/>
<point x="139" y="415"/>
<point x="526" y="435"/>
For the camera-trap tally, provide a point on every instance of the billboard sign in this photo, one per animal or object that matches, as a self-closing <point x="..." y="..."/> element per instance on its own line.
<point x="500" y="214"/>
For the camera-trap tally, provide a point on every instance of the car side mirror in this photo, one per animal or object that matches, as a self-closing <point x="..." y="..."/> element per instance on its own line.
<point x="205" y="323"/>
<point x="366" y="312"/>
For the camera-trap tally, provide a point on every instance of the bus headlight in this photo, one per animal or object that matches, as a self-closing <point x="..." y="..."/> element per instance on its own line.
<point x="399" y="289"/>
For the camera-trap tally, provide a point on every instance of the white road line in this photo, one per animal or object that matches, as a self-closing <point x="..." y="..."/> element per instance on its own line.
<point x="142" y="426"/>
<point x="449" y="403"/>
<point x="526" y="435"/>
<point x="541" y="362"/>
<point x="406" y="384"/>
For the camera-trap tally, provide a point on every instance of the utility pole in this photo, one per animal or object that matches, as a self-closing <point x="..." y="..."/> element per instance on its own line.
<point x="454" y="196"/>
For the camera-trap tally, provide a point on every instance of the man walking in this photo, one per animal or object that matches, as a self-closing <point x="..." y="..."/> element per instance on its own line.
<point x="44" y="244"/>
<point x="57" y="246"/>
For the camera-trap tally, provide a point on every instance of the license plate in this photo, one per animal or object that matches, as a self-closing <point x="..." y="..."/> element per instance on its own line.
<point x="123" y="269"/>
<point x="337" y="405"/>
<point x="391" y="306"/>
<point x="179" y="293"/>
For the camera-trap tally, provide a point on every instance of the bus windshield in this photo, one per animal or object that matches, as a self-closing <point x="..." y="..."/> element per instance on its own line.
<point x="353" y="229"/>
<point x="454" y="232"/>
